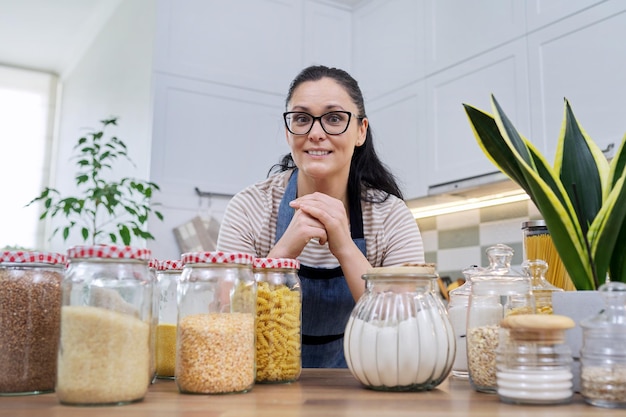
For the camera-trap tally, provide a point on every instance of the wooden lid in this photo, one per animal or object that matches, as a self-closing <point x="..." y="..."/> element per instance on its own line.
<point x="538" y="327"/>
<point x="406" y="268"/>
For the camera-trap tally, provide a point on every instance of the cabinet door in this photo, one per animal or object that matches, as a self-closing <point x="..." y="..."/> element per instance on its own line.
<point x="540" y="13"/>
<point x="398" y="126"/>
<point x="581" y="58"/>
<point x="453" y="151"/>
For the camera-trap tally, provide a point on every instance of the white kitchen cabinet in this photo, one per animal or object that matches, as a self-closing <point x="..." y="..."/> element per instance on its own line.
<point x="540" y="13"/>
<point x="450" y="144"/>
<point x="583" y="59"/>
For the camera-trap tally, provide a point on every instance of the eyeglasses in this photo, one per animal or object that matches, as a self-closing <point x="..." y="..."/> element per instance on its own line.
<point x="333" y="122"/>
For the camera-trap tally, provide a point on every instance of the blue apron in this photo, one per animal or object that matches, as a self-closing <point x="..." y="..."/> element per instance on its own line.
<point x="326" y="298"/>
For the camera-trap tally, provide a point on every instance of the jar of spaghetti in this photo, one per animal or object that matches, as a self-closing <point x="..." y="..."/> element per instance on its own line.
<point x="168" y="275"/>
<point x="106" y="318"/>
<point x="278" y="325"/>
<point x="215" y="352"/>
<point x="542" y="290"/>
<point x="30" y="312"/>
<point x="538" y="244"/>
<point x="498" y="291"/>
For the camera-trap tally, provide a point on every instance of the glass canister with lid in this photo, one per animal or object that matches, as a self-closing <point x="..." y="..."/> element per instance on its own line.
<point x="215" y="348"/>
<point x="168" y="274"/>
<point x="106" y="318"/>
<point x="278" y="324"/>
<point x="498" y="291"/>
<point x="542" y="290"/>
<point x="399" y="337"/>
<point x="30" y="313"/>
<point x="603" y="353"/>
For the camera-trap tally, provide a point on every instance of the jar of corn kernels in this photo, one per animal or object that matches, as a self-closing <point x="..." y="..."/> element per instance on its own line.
<point x="168" y="274"/>
<point x="278" y="325"/>
<point x="215" y="330"/>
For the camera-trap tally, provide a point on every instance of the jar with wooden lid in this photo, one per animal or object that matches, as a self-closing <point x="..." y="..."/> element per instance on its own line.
<point x="542" y="290"/>
<point x="215" y="351"/>
<point x="279" y="320"/>
<point x="106" y="318"/>
<point x="534" y="364"/>
<point x="398" y="336"/>
<point x="30" y="313"/>
<point x="168" y="274"/>
<point x="603" y="353"/>
<point x="498" y="291"/>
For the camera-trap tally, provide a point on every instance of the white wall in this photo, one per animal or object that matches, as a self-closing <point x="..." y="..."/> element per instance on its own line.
<point x="113" y="78"/>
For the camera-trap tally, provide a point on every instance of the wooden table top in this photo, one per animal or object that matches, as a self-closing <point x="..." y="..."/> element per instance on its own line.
<point x="318" y="393"/>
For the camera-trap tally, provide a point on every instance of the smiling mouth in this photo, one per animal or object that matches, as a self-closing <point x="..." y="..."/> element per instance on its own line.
<point x="318" y="153"/>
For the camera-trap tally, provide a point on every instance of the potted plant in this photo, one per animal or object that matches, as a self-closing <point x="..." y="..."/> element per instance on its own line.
<point x="104" y="211"/>
<point x="581" y="197"/>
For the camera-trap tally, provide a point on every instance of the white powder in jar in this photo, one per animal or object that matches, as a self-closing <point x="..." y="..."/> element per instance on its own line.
<point x="458" y="318"/>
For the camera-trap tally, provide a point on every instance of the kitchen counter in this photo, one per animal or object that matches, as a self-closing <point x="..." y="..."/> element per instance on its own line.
<point x="318" y="393"/>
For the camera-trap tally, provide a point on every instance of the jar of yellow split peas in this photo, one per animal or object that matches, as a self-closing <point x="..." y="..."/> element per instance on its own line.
<point x="278" y="325"/>
<point x="167" y="274"/>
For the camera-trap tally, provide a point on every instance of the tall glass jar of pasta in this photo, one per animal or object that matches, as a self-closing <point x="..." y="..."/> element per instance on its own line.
<point x="106" y="316"/>
<point x="278" y="325"/>
<point x="498" y="291"/>
<point x="215" y="347"/>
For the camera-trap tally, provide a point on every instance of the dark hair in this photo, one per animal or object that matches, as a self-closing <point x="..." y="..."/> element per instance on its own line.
<point x="366" y="169"/>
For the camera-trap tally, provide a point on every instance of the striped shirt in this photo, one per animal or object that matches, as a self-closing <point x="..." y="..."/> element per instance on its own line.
<point x="249" y="225"/>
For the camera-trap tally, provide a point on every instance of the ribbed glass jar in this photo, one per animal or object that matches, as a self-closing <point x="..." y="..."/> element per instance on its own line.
<point x="215" y="349"/>
<point x="30" y="313"/>
<point x="399" y="337"/>
<point x="105" y="345"/>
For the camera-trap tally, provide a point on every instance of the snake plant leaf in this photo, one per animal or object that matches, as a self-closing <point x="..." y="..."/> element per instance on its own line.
<point x="582" y="167"/>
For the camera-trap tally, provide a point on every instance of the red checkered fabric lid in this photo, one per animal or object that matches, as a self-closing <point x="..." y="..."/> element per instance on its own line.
<point x="276" y="263"/>
<point x="217" y="258"/>
<point x="153" y="263"/>
<point x="109" y="252"/>
<point x="170" y="265"/>
<point x="32" y="257"/>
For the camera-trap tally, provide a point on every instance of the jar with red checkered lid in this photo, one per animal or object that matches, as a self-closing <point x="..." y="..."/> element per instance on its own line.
<point x="168" y="274"/>
<point x="30" y="312"/>
<point x="106" y="318"/>
<point x="216" y="315"/>
<point x="278" y="325"/>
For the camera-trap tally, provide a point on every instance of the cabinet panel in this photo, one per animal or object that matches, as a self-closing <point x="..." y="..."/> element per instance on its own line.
<point x="217" y="138"/>
<point x="453" y="150"/>
<point x="397" y="123"/>
<point x="225" y="42"/>
<point x="327" y="36"/>
<point x="458" y="30"/>
<point x="388" y="45"/>
<point x="543" y="12"/>
<point x="581" y="59"/>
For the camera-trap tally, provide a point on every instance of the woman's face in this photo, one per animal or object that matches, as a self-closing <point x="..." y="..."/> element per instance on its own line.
<point x="318" y="154"/>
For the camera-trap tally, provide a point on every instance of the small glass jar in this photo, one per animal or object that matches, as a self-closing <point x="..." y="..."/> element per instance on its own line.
<point x="215" y="350"/>
<point x="168" y="276"/>
<point x="30" y="313"/>
<point x="498" y="291"/>
<point x="538" y="244"/>
<point x="152" y="267"/>
<point x="106" y="318"/>
<point x="603" y="353"/>
<point x="399" y="337"/>
<point x="278" y="324"/>
<point x="534" y="364"/>
<point x="457" y="312"/>
<point x="542" y="290"/>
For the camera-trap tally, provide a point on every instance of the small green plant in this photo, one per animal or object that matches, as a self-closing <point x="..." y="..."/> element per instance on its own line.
<point x="105" y="210"/>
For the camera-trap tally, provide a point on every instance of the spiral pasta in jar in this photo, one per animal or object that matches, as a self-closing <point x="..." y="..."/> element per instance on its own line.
<point x="278" y="325"/>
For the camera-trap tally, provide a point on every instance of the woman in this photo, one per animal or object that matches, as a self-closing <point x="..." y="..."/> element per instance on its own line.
<point x="333" y="205"/>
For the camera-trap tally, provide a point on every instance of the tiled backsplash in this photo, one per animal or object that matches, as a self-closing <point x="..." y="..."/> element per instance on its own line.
<point x="455" y="241"/>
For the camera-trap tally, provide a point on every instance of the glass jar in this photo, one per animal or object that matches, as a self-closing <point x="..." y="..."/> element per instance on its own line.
<point x="398" y="336"/>
<point x="106" y="316"/>
<point x="152" y="267"/>
<point x="603" y="356"/>
<point x="215" y="351"/>
<point x="534" y="364"/>
<point x="542" y="290"/>
<point x="538" y="244"/>
<point x="457" y="312"/>
<point x="168" y="276"/>
<point x="278" y="325"/>
<point x="30" y="313"/>
<point x="497" y="291"/>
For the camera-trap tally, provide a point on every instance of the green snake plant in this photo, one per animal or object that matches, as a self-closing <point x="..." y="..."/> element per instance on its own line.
<point x="582" y="197"/>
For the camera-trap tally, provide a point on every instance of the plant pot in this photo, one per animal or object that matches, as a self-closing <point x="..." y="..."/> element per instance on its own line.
<point x="578" y="305"/>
